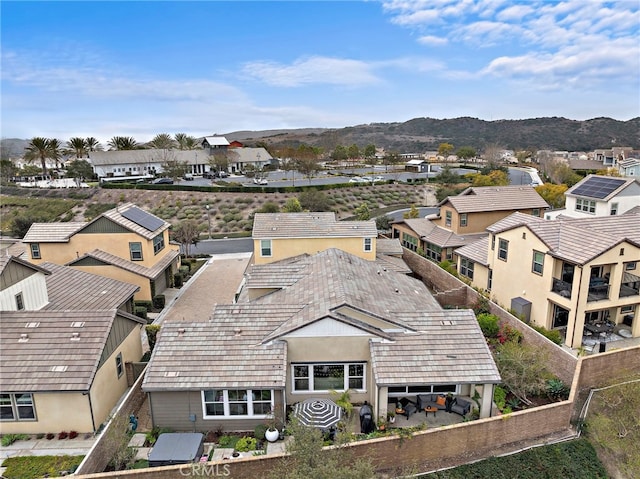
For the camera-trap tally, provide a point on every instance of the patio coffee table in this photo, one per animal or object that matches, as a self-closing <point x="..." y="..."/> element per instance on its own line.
<point x="429" y="409"/>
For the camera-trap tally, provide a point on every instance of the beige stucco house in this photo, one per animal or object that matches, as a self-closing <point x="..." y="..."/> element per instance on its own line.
<point x="277" y="236"/>
<point x="463" y="219"/>
<point x="580" y="276"/>
<point x="125" y="243"/>
<point x="308" y="325"/>
<point x="65" y="337"/>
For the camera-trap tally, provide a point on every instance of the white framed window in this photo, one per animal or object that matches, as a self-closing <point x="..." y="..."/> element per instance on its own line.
<point x="135" y="251"/>
<point x="35" y="251"/>
<point x="265" y="248"/>
<point x="629" y="308"/>
<point x="17" y="407"/>
<point x="218" y="403"/>
<point x="630" y="266"/>
<point x="119" y="365"/>
<point x="614" y="209"/>
<point x="368" y="244"/>
<point x="588" y="206"/>
<point x="537" y="265"/>
<point x="328" y="377"/>
<point x="447" y="218"/>
<point x="158" y="243"/>
<point x="503" y="249"/>
<point x="466" y="268"/>
<point x="490" y="280"/>
<point x="463" y="219"/>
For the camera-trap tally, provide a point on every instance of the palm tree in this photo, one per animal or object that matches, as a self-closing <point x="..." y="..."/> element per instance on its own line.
<point x="55" y="150"/>
<point x="186" y="142"/>
<point x="39" y="148"/>
<point x="92" y="144"/>
<point x="77" y="146"/>
<point x="162" y="141"/>
<point x="123" y="143"/>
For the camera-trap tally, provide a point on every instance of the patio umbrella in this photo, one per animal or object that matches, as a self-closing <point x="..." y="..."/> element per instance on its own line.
<point x="321" y="413"/>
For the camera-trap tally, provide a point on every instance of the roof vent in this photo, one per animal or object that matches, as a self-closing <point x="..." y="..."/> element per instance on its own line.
<point x="237" y="331"/>
<point x="32" y="324"/>
<point x="171" y="374"/>
<point x="181" y="331"/>
<point x="77" y="324"/>
<point x="24" y="337"/>
<point x="75" y="336"/>
<point x="58" y="369"/>
<point x="397" y="290"/>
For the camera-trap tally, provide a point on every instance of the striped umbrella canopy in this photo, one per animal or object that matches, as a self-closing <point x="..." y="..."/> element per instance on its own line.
<point x="321" y="413"/>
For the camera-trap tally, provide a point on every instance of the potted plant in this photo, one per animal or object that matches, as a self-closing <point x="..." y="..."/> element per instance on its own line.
<point x="382" y="423"/>
<point x="391" y="417"/>
<point x="343" y="399"/>
<point x="272" y="434"/>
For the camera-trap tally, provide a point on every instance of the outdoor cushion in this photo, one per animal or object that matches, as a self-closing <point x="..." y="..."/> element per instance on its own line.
<point x="440" y="401"/>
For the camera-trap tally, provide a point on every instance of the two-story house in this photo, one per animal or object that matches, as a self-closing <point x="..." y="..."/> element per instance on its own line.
<point x="65" y="337"/>
<point x="463" y="219"/>
<point x="597" y="195"/>
<point x="579" y="276"/>
<point x="308" y="325"/>
<point x="125" y="243"/>
<point x="277" y="236"/>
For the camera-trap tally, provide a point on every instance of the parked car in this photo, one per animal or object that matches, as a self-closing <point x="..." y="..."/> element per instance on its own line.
<point x="163" y="181"/>
<point x="222" y="174"/>
<point x="260" y="181"/>
<point x="358" y="179"/>
<point x="377" y="179"/>
<point x="188" y="177"/>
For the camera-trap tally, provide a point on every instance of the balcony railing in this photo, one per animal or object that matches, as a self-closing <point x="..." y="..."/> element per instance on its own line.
<point x="630" y="285"/>
<point x="598" y="289"/>
<point x="563" y="288"/>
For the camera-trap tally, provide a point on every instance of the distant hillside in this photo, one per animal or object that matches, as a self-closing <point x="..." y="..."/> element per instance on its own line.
<point x="422" y="134"/>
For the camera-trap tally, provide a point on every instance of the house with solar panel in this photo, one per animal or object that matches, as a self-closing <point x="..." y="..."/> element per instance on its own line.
<point x="599" y="195"/>
<point x="66" y="337"/>
<point x="580" y="276"/>
<point x="125" y="243"/>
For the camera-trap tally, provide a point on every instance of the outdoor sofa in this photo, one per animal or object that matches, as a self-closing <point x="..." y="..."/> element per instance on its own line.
<point x="459" y="406"/>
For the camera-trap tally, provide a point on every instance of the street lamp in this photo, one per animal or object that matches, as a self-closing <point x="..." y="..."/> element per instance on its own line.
<point x="208" y="208"/>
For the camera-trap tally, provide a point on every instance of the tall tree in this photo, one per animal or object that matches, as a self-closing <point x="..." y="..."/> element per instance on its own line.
<point x="292" y="206"/>
<point x="162" y="141"/>
<point x="39" y="148"/>
<point x="307" y="160"/>
<point x="77" y="146"/>
<point x="362" y="212"/>
<point x="55" y="151"/>
<point x="445" y="149"/>
<point x="412" y="213"/>
<point x="186" y="142"/>
<point x="92" y="144"/>
<point x="79" y="170"/>
<point x="466" y="152"/>
<point x="187" y="233"/>
<point x="370" y="151"/>
<point x="123" y="143"/>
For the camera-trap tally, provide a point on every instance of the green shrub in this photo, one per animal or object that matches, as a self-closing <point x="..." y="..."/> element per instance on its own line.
<point x="141" y="312"/>
<point x="144" y="304"/>
<point x="9" y="439"/>
<point x="159" y="301"/>
<point x="33" y="467"/>
<point x="259" y="430"/>
<point x="152" y="333"/>
<point x="177" y="280"/>
<point x="551" y="334"/>
<point x="500" y="397"/>
<point x="489" y="325"/>
<point x="246" y="444"/>
<point x="228" y="441"/>
<point x="557" y="390"/>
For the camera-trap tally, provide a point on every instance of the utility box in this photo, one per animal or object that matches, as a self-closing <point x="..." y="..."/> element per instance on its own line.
<point x="522" y="308"/>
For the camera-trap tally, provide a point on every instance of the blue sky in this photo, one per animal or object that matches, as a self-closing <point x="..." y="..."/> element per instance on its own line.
<point x="141" y="68"/>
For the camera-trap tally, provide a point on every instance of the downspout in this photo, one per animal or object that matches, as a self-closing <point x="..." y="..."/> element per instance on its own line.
<point x="93" y="421"/>
<point x="575" y="318"/>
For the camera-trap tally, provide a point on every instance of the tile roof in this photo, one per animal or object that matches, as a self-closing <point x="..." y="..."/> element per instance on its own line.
<point x="225" y="353"/>
<point x="248" y="155"/>
<point x="449" y="348"/>
<point x="71" y="289"/>
<point x="565" y="237"/>
<point x="132" y="266"/>
<point x="477" y="252"/>
<point x="392" y="263"/>
<point x="115" y="215"/>
<point x="496" y="198"/>
<point x="52" y="232"/>
<point x="145" y="157"/>
<point x="437" y="235"/>
<point x="309" y="225"/>
<point x="47" y="358"/>
<point x="389" y="246"/>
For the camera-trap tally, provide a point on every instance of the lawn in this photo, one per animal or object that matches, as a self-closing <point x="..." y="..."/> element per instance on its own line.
<point x="33" y="467"/>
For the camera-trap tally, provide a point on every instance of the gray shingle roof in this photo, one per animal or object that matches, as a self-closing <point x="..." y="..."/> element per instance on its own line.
<point x="71" y="289"/>
<point x="51" y="232"/>
<point x="496" y="198"/>
<point x="309" y="225"/>
<point x="151" y="273"/>
<point x="449" y="349"/>
<point x="47" y="358"/>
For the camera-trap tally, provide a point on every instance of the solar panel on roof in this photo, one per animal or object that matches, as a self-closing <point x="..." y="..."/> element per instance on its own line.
<point x="142" y="218"/>
<point x="598" y="187"/>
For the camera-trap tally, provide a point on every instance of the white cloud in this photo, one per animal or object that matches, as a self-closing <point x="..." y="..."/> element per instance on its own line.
<point x="432" y="40"/>
<point x="515" y="12"/>
<point x="312" y="70"/>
